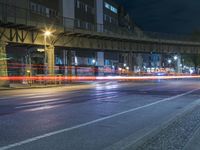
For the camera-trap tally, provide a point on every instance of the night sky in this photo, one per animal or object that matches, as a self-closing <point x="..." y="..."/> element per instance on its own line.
<point x="170" y="16"/>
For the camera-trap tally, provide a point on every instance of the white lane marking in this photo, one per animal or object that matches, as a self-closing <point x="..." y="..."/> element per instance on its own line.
<point x="45" y="104"/>
<point x="40" y="108"/>
<point x="41" y="101"/>
<point x="91" y="122"/>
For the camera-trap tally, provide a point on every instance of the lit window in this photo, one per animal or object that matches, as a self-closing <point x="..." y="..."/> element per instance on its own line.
<point x="110" y="7"/>
<point x="113" y="9"/>
<point x="107" y="5"/>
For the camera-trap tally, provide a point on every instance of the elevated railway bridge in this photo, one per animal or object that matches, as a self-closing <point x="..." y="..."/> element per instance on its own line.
<point x="19" y="27"/>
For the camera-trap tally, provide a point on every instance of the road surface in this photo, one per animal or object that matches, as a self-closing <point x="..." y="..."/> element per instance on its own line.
<point x="99" y="116"/>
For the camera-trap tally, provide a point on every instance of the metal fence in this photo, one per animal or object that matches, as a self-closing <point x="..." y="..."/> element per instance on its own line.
<point x="26" y="17"/>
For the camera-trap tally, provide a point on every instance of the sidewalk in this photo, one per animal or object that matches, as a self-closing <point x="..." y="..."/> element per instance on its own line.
<point x="27" y="86"/>
<point x="180" y="133"/>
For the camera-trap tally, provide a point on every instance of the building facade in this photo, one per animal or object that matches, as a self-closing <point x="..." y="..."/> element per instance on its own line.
<point x="92" y="15"/>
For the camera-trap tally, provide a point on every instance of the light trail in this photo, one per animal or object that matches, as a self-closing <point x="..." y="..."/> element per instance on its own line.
<point x="96" y="78"/>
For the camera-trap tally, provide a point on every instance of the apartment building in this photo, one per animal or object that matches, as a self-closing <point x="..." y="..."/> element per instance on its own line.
<point x="79" y="13"/>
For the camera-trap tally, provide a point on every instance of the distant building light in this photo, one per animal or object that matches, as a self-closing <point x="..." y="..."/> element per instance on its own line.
<point x="40" y="50"/>
<point x="124" y="65"/>
<point x="191" y="71"/>
<point x="2" y="59"/>
<point x="76" y="60"/>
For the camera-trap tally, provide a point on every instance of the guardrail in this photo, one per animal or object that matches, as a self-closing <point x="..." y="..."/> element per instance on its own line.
<point x="26" y="17"/>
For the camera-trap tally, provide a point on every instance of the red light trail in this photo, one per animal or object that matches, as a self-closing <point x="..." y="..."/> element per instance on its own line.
<point x="95" y="78"/>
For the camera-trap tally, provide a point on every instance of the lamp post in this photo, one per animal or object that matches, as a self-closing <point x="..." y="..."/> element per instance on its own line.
<point x="178" y="63"/>
<point x="95" y="69"/>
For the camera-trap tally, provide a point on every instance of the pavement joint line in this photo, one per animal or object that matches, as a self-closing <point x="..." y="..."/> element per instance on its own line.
<point x="33" y="139"/>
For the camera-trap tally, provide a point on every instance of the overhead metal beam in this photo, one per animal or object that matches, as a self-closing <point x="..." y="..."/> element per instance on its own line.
<point x="96" y="41"/>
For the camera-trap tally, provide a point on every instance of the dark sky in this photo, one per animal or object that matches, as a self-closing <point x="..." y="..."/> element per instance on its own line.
<point x="171" y="16"/>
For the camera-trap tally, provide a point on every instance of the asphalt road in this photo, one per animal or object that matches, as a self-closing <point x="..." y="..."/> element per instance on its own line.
<point x="101" y="116"/>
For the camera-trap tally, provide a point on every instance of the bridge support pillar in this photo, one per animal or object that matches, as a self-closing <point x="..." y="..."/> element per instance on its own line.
<point x="130" y="61"/>
<point x="50" y="60"/>
<point x="100" y="64"/>
<point x="3" y="64"/>
<point x="69" y="63"/>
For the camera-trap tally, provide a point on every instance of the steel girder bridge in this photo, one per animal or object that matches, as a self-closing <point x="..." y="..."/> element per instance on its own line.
<point x="19" y="26"/>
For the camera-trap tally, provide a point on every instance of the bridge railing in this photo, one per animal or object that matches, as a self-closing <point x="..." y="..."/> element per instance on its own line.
<point x="28" y="18"/>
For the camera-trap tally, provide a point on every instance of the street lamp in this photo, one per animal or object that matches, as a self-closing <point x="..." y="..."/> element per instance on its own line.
<point x="124" y="65"/>
<point x="47" y="33"/>
<point x="94" y="66"/>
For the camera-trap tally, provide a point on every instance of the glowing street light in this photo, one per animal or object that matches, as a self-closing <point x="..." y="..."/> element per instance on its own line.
<point x="127" y="68"/>
<point x="169" y="61"/>
<point x="124" y="65"/>
<point x="47" y="33"/>
<point x="93" y="61"/>
<point x="175" y="57"/>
